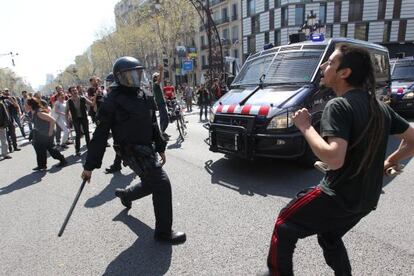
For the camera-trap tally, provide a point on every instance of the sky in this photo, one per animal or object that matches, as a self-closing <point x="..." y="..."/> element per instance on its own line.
<point x="49" y="34"/>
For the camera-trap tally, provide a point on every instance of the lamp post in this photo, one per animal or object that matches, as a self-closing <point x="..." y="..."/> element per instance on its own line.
<point x="311" y="26"/>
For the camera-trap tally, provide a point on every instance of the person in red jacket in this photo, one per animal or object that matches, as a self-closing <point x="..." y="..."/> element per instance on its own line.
<point x="169" y="91"/>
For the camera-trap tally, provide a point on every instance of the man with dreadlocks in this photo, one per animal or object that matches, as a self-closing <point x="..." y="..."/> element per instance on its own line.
<point x="352" y="142"/>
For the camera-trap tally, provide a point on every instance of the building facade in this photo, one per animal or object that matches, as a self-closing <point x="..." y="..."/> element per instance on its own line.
<point x="386" y="22"/>
<point x="227" y="18"/>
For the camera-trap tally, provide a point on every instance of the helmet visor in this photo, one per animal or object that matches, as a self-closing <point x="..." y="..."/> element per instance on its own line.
<point x="130" y="78"/>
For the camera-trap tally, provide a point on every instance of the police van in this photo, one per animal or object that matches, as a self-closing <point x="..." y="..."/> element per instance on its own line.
<point x="402" y="81"/>
<point x="254" y="119"/>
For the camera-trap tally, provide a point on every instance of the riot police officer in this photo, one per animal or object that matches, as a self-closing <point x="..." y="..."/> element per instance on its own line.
<point x="129" y="113"/>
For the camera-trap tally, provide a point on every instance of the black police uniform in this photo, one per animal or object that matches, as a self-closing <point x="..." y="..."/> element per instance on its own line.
<point x="130" y="115"/>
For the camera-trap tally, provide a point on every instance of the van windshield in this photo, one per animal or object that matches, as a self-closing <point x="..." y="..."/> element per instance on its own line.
<point x="403" y="71"/>
<point x="286" y="67"/>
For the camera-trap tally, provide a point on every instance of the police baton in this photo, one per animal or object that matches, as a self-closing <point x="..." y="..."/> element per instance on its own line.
<point x="71" y="209"/>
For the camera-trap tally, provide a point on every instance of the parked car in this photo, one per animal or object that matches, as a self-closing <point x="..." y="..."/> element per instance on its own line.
<point x="255" y="117"/>
<point x="402" y="82"/>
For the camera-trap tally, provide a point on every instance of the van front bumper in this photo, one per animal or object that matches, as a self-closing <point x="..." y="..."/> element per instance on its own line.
<point x="237" y="141"/>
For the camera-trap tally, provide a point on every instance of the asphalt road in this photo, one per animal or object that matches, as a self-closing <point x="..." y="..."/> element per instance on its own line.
<point x="227" y="207"/>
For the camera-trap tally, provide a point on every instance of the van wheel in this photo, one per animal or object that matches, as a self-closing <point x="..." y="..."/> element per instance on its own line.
<point x="308" y="159"/>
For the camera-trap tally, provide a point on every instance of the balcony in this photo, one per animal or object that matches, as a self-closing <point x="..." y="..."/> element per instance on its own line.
<point x="222" y="20"/>
<point x="234" y="17"/>
<point x="225" y="42"/>
<point x="205" y="67"/>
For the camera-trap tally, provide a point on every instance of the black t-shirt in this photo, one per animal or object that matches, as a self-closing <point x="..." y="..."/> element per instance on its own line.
<point x="346" y="117"/>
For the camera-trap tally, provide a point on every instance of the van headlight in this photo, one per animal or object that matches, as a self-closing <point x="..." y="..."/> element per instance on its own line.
<point x="211" y="115"/>
<point x="283" y="120"/>
<point x="408" y="95"/>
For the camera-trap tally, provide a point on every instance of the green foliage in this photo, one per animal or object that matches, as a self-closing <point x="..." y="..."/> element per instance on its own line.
<point x="15" y="83"/>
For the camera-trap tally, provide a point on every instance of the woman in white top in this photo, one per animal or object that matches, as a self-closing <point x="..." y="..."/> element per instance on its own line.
<point x="60" y="113"/>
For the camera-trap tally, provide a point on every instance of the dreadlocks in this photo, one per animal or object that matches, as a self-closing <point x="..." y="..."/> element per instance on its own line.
<point x="362" y="76"/>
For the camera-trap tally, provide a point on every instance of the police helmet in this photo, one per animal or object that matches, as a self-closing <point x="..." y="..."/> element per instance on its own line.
<point x="127" y="71"/>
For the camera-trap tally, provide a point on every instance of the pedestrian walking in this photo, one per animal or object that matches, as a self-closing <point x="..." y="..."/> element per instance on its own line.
<point x="76" y="113"/>
<point x="352" y="142"/>
<point x="4" y="122"/>
<point x="13" y="110"/>
<point x="94" y="93"/>
<point x="60" y="116"/>
<point x="203" y="100"/>
<point x="43" y="135"/>
<point x="130" y="114"/>
<point x="188" y="96"/>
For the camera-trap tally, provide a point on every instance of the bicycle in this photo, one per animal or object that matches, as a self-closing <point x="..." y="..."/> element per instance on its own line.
<point x="175" y="113"/>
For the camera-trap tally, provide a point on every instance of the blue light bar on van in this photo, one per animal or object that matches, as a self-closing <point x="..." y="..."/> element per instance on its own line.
<point x="317" y="37"/>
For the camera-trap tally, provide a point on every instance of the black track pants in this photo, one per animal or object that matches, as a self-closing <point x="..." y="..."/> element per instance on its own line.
<point x="312" y="212"/>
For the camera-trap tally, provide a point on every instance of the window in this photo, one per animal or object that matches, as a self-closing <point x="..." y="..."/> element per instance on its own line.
<point x="235" y="33"/>
<point x="387" y="31"/>
<point x="401" y="30"/>
<point x="355" y="10"/>
<point x="225" y="33"/>
<point x="202" y="41"/>
<point x="299" y="15"/>
<point x="266" y="5"/>
<point x="381" y="67"/>
<point x="287" y="67"/>
<point x="224" y="14"/>
<point x="322" y="13"/>
<point x="337" y="12"/>
<point x="277" y="4"/>
<point x="328" y="31"/>
<point x="381" y="9"/>
<point x="236" y="53"/>
<point x="266" y="38"/>
<point x="284" y="17"/>
<point x="203" y="60"/>
<point x="234" y="12"/>
<point x="343" y="30"/>
<point x="277" y="38"/>
<point x="255" y="24"/>
<point x="361" y="31"/>
<point x="272" y="19"/>
<point x="251" y="7"/>
<point x="397" y="9"/>
<point x="251" y="44"/>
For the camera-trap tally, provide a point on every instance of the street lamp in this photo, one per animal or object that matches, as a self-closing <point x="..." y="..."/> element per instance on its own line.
<point x="311" y="25"/>
<point x="12" y="55"/>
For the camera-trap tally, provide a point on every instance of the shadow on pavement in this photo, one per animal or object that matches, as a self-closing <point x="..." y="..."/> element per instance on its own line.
<point x="176" y="145"/>
<point x="271" y="177"/>
<point x="262" y="176"/>
<point x="107" y="194"/>
<point x="23" y="182"/>
<point x="145" y="256"/>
